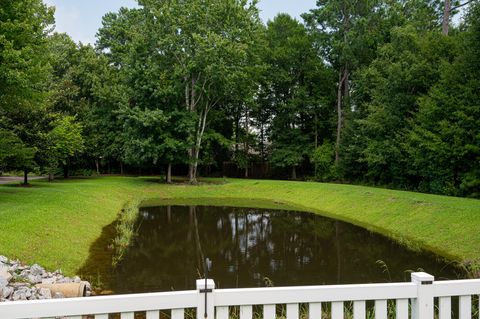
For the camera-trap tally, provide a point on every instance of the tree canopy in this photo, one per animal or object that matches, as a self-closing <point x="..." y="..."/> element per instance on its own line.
<point x="374" y="92"/>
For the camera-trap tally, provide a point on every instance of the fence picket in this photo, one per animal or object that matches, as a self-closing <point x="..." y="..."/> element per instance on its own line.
<point x="246" y="312"/>
<point x="127" y="315"/>
<point x="269" y="312"/>
<point x="176" y="314"/>
<point x="402" y="309"/>
<point x="380" y="309"/>
<point x="222" y="313"/>
<point x="154" y="314"/>
<point x="337" y="310"/>
<point x="444" y="308"/>
<point x="465" y="307"/>
<point x="359" y="309"/>
<point x="315" y="310"/>
<point x="292" y="311"/>
<point x="101" y="316"/>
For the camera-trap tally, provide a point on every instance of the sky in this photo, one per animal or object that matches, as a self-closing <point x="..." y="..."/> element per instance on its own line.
<point x="82" y="18"/>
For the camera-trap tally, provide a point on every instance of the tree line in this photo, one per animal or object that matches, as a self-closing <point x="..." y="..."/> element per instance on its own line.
<point x="378" y="92"/>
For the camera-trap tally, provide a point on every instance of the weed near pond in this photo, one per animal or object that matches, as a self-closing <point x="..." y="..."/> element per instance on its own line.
<point x="125" y="229"/>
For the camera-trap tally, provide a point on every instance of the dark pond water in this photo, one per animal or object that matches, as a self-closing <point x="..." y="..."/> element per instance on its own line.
<point x="257" y="248"/>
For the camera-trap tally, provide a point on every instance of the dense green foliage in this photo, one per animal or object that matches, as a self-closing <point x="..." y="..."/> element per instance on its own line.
<point x="374" y="92"/>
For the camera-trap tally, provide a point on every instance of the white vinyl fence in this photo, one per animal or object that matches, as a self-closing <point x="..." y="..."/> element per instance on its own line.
<point x="422" y="298"/>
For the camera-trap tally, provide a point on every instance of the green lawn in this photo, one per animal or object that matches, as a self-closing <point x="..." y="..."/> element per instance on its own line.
<point x="55" y="224"/>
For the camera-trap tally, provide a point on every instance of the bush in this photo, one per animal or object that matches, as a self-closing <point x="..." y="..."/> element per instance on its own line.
<point x="323" y="158"/>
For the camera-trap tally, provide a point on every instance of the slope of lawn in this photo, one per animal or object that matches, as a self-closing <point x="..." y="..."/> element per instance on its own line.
<point x="55" y="224"/>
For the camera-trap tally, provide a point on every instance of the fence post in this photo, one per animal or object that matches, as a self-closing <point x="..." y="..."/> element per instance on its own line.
<point x="423" y="305"/>
<point x="205" y="289"/>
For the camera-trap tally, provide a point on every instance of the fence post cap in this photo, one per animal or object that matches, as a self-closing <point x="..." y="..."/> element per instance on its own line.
<point x="422" y="278"/>
<point x="201" y="284"/>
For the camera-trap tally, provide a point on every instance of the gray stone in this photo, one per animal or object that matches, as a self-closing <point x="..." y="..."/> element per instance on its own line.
<point x="36" y="270"/>
<point x="6" y="292"/>
<point x="19" y="295"/>
<point x="4" y="273"/>
<point x="17" y="285"/>
<point x="45" y="293"/>
<point x="48" y="281"/>
<point x="65" y="280"/>
<point x="3" y="282"/>
<point x="17" y="281"/>
<point x="34" y="279"/>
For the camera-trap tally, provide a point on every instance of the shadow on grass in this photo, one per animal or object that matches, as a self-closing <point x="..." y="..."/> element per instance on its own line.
<point x="98" y="269"/>
<point x="29" y="185"/>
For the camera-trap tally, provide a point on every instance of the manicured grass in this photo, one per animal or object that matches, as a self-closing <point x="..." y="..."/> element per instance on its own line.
<point x="55" y="224"/>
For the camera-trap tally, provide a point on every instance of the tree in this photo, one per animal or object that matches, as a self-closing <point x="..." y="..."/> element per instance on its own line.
<point x="297" y="83"/>
<point x="13" y="153"/>
<point x="337" y="24"/>
<point x="61" y="142"/>
<point x="24" y="69"/>
<point x="151" y="139"/>
<point x="206" y="44"/>
<point x="404" y="70"/>
<point x="323" y="158"/>
<point x="444" y="142"/>
<point x="154" y="125"/>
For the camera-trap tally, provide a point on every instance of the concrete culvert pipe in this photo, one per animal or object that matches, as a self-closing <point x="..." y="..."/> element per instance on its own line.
<point x="68" y="290"/>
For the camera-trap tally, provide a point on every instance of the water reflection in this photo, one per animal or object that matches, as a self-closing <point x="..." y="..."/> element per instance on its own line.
<point x="255" y="247"/>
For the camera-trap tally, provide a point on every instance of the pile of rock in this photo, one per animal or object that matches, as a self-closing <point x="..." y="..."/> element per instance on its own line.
<point x="21" y="282"/>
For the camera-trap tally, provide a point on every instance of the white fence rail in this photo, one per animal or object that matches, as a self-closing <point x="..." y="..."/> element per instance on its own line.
<point x="422" y="298"/>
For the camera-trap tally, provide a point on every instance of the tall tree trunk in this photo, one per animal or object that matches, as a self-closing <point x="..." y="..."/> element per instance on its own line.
<point x="169" y="173"/>
<point x="446" y="16"/>
<point x="339" y="117"/>
<point x="245" y="145"/>
<point x="25" y="177"/>
<point x="97" y="165"/>
<point x="342" y="95"/>
<point x="121" y="168"/>
<point x="190" y="165"/>
<point x="50" y="176"/>
<point x="262" y="144"/>
<point x="343" y="87"/>
<point x="199" y="136"/>
<point x="294" y="172"/>
<point x="237" y="129"/>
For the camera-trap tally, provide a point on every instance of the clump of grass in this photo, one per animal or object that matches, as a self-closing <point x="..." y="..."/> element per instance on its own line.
<point x="472" y="269"/>
<point x="125" y="230"/>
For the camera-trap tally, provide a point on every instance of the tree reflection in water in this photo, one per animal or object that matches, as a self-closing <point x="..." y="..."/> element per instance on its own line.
<point x="254" y="247"/>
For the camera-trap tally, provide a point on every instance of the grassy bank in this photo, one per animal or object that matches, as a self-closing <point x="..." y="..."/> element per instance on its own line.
<point x="56" y="223"/>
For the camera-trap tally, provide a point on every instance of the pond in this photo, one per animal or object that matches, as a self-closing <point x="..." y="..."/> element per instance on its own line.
<point x="252" y="247"/>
